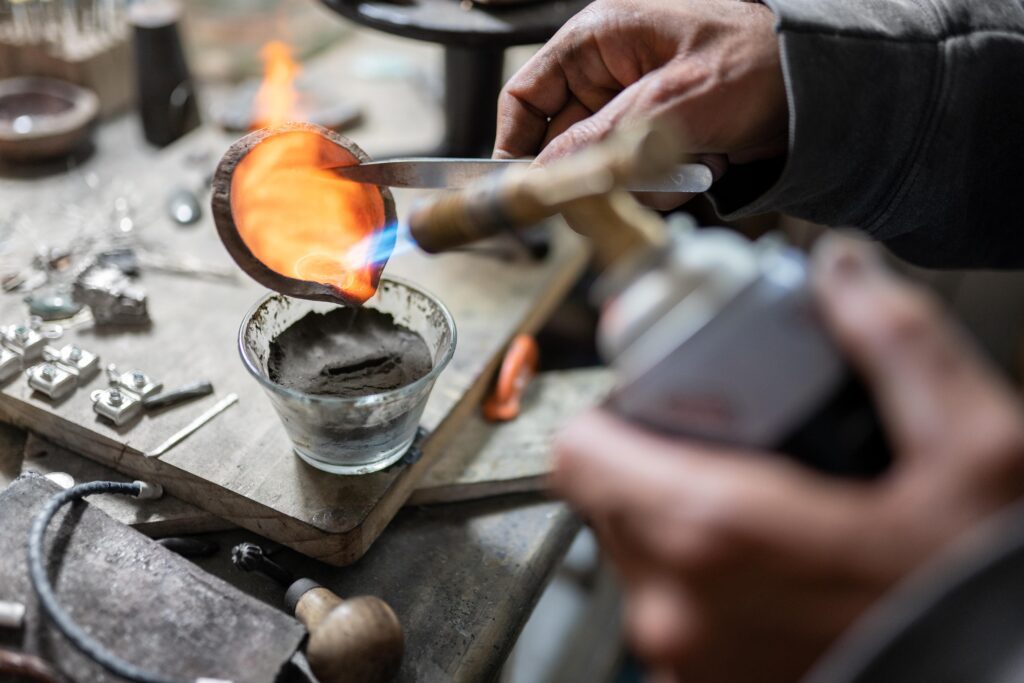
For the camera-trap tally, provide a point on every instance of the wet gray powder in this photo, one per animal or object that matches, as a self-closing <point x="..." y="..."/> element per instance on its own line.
<point x="347" y="352"/>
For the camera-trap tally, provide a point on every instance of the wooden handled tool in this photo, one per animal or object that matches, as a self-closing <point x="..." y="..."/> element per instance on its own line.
<point x="584" y="187"/>
<point x="359" y="639"/>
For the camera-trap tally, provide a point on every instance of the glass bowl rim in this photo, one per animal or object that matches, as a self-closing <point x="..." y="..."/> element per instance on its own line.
<point x="369" y="399"/>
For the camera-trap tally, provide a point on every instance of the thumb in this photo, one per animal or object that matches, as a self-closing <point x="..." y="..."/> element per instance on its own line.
<point x="924" y="374"/>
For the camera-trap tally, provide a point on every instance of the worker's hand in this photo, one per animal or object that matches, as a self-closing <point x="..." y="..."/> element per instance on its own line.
<point x="709" y="67"/>
<point x="741" y="566"/>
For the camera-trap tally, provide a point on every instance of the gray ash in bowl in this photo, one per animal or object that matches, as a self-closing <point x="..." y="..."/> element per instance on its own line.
<point x="347" y="352"/>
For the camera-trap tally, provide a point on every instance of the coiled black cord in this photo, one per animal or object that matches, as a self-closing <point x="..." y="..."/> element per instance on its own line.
<point x="48" y="598"/>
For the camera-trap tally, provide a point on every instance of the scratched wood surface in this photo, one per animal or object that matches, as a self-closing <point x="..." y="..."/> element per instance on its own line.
<point x="491" y="459"/>
<point x="240" y="467"/>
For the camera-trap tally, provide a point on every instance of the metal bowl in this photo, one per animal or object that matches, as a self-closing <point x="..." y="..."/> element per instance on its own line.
<point x="43" y="118"/>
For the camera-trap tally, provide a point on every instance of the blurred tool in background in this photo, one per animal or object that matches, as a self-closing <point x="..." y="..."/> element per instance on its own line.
<point x="166" y="92"/>
<point x="84" y="42"/>
<point x="87" y="43"/>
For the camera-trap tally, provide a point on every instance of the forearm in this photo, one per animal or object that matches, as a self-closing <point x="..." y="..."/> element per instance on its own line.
<point x="904" y="122"/>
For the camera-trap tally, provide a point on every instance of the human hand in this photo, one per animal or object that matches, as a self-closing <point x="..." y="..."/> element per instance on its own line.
<point x="709" y="68"/>
<point x="744" y="566"/>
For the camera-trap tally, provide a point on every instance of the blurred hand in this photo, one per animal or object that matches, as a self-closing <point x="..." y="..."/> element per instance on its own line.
<point x="744" y="566"/>
<point x="710" y="67"/>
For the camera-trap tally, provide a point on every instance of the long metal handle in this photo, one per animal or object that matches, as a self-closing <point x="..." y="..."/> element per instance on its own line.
<point x="438" y="173"/>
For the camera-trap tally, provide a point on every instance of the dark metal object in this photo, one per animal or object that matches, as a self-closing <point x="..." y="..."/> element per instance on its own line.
<point x="228" y="231"/>
<point x="189" y="547"/>
<point x="250" y="557"/>
<point x="475" y="39"/>
<point x="124" y="259"/>
<point x="166" y="94"/>
<point x="452" y="173"/>
<point x="182" y="395"/>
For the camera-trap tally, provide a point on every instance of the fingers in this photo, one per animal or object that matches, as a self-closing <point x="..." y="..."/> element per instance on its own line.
<point x="573" y="112"/>
<point x="925" y="376"/>
<point x="695" y="505"/>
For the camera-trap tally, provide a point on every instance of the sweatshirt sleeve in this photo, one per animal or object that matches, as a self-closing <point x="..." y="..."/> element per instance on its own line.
<point x="906" y="121"/>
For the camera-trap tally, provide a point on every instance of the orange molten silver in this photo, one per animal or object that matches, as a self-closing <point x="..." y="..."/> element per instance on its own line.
<point x="293" y="224"/>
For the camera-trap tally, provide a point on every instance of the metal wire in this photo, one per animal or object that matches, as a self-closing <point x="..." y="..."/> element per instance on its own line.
<point x="48" y="598"/>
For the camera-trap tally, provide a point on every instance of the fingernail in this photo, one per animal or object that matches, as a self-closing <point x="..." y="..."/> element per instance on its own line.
<point x="844" y="258"/>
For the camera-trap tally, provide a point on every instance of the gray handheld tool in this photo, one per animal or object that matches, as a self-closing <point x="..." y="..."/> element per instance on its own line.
<point x="716" y="338"/>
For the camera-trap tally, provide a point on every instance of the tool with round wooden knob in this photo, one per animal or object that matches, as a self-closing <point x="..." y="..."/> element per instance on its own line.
<point x="359" y="639"/>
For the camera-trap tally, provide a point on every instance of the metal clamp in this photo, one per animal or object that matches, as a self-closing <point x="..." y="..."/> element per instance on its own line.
<point x="116" y="405"/>
<point x="51" y="379"/>
<point x="81" y="363"/>
<point x="135" y="381"/>
<point x="24" y="341"/>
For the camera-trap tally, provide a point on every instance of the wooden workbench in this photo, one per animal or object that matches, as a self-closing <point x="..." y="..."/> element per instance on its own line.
<point x="241" y="467"/>
<point x="462" y="577"/>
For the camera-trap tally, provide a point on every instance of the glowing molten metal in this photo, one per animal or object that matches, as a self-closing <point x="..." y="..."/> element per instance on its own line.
<point x="296" y="216"/>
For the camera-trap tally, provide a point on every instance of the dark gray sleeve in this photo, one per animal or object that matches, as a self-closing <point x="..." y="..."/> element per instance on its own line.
<point x="906" y="121"/>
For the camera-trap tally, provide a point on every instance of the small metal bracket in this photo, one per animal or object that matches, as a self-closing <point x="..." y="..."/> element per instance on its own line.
<point x="135" y="382"/>
<point x="81" y="363"/>
<point x="24" y="341"/>
<point x="51" y="379"/>
<point x="120" y="407"/>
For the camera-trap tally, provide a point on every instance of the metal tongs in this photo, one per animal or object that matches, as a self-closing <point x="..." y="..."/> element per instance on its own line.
<point x="435" y="173"/>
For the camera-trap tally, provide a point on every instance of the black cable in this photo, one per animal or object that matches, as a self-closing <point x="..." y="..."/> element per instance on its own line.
<point x="48" y="598"/>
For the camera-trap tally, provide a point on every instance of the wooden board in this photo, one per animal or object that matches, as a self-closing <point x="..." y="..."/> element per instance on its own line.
<point x="165" y="516"/>
<point x="491" y="459"/>
<point x="152" y="607"/>
<point x="463" y="579"/>
<point x="240" y="467"/>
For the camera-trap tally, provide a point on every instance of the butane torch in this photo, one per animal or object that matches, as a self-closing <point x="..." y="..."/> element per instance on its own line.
<point x="711" y="335"/>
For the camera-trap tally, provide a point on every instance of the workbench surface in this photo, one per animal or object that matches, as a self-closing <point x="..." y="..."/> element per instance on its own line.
<point x="462" y="577"/>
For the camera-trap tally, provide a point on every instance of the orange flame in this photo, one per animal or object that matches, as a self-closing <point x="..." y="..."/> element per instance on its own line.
<point x="277" y="100"/>
<point x="295" y="215"/>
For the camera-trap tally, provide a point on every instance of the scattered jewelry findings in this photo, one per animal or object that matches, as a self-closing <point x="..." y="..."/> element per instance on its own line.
<point x="24" y="341"/>
<point x="81" y="363"/>
<point x="118" y="406"/>
<point x="113" y="298"/>
<point x="50" y="379"/>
